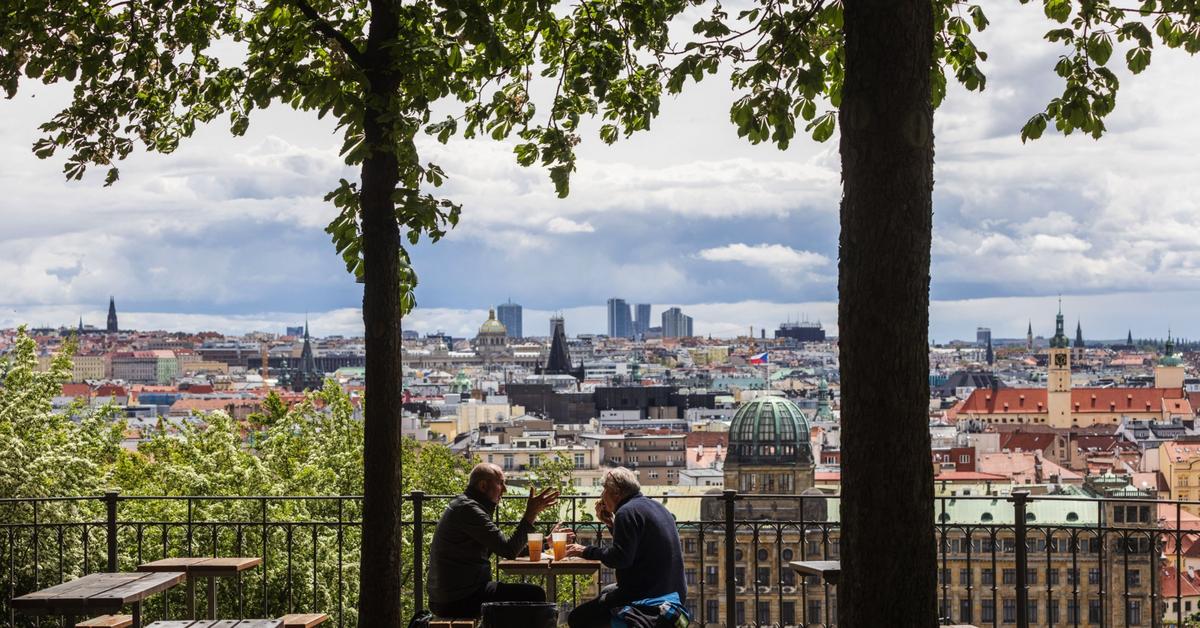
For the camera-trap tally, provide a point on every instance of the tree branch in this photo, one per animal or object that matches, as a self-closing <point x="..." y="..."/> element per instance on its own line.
<point x="327" y="30"/>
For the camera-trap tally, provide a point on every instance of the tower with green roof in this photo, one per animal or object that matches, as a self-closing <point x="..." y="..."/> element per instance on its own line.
<point x="769" y="448"/>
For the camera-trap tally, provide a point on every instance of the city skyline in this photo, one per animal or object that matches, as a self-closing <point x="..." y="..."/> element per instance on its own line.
<point x="669" y="217"/>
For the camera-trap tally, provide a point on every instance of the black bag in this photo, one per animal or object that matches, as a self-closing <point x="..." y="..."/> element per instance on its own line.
<point x="420" y="620"/>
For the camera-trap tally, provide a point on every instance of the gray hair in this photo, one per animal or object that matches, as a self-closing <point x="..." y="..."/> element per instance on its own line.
<point x="621" y="481"/>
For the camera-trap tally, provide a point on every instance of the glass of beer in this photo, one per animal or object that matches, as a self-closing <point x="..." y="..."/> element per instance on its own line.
<point x="535" y="546"/>
<point x="559" y="539"/>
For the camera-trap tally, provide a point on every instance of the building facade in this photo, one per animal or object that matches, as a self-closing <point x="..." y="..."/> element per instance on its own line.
<point x="512" y="317"/>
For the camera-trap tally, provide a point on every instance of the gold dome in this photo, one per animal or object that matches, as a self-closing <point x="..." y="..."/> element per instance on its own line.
<point x="492" y="327"/>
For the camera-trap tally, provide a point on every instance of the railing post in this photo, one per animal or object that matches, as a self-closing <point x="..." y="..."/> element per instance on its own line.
<point x="418" y="543"/>
<point x="730" y="496"/>
<point x="1019" y="499"/>
<point x="110" y="502"/>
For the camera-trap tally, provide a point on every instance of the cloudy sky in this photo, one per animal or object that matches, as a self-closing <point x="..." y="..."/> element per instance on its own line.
<point x="227" y="234"/>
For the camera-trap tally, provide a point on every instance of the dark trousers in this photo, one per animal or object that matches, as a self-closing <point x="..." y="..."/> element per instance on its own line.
<point x="490" y="592"/>
<point x="597" y="613"/>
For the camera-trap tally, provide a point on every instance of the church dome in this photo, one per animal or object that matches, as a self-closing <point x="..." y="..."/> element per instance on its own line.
<point x="492" y="327"/>
<point x="769" y="430"/>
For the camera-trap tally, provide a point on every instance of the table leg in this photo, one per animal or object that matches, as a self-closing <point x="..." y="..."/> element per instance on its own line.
<point x="191" y="597"/>
<point x="69" y="621"/>
<point x="552" y="589"/>
<point x="212" y="597"/>
<point x="137" y="614"/>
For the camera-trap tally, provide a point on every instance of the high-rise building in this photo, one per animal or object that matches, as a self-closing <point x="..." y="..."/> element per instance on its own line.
<point x="641" y="319"/>
<point x="620" y="323"/>
<point x="510" y="315"/>
<point x="801" y="331"/>
<point x="112" y="315"/>
<point x="676" y="324"/>
<point x="295" y="332"/>
<point x="983" y="336"/>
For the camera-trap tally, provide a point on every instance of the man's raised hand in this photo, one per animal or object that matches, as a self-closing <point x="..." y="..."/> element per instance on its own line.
<point x="536" y="504"/>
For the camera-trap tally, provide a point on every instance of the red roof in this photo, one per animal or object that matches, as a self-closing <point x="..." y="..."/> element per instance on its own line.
<point x="707" y="439"/>
<point x="1169" y="577"/>
<point x="76" y="390"/>
<point x="1033" y="400"/>
<point x="969" y="476"/>
<point x="1026" y="441"/>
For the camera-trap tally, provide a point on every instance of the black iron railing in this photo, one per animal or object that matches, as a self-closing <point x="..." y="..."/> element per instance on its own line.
<point x="1024" y="560"/>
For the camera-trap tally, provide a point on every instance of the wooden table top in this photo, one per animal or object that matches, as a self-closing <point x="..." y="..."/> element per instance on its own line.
<point x="203" y="566"/>
<point x="817" y="567"/>
<point x="99" y="592"/>
<point x="218" y="623"/>
<point x="565" y="567"/>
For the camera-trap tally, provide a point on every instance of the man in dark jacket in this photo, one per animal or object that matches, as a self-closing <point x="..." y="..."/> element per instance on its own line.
<point x="645" y="550"/>
<point x="465" y="538"/>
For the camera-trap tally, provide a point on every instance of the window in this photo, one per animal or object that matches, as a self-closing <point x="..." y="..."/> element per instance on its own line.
<point x="1133" y="613"/>
<point x="964" y="459"/>
<point x="710" y="575"/>
<point x="787" y="613"/>
<point x="988" y="578"/>
<point x="943" y="576"/>
<point x="1031" y="576"/>
<point x="1094" y="611"/>
<point x="689" y="545"/>
<point x="1072" y="576"/>
<point x="964" y="577"/>
<point x="814" y="549"/>
<point x="739" y="576"/>
<point x="1094" y="575"/>
<point x="964" y="611"/>
<point x="788" y="577"/>
<point x="690" y="576"/>
<point x="763" y="576"/>
<point x="579" y="461"/>
<point x="1133" y="578"/>
<point x="1072" y="612"/>
<point x="712" y="610"/>
<point x="987" y="611"/>
<point x="1031" y="611"/>
<point x="1010" y="611"/>
<point x="1052" y="576"/>
<point x="740" y="612"/>
<point x="1052" y="611"/>
<point x="737" y="555"/>
<point x="814" y="612"/>
<point x="762" y="555"/>
<point x="787" y="555"/>
<point x="1010" y="576"/>
<point x="710" y="548"/>
<point x="763" y="616"/>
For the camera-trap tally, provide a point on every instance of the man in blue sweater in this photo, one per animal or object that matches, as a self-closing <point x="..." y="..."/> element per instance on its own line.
<point x="645" y="550"/>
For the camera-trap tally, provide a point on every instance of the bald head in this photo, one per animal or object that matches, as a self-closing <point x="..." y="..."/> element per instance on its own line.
<point x="485" y="474"/>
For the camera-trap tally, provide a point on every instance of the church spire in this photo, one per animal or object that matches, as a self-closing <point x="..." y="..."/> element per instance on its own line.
<point x="112" y="315"/>
<point x="1079" y="335"/>
<point x="1059" y="341"/>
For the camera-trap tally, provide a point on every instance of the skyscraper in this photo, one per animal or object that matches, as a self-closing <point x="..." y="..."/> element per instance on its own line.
<point x="510" y="315"/>
<point x="983" y="336"/>
<point x="112" y="316"/>
<point x="641" y="319"/>
<point x="620" y="323"/>
<point x="676" y="324"/>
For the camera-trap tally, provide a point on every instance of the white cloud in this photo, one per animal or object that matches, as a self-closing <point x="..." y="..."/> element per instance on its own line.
<point x="782" y="261"/>
<point x="558" y="224"/>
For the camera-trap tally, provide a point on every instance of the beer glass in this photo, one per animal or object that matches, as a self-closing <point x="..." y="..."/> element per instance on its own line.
<point x="560" y="545"/>
<point x="535" y="546"/>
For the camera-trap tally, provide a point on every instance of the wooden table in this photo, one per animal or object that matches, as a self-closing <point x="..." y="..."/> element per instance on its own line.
<point x="98" y="594"/>
<point x="827" y="570"/>
<point x="551" y="569"/>
<point x="218" y="623"/>
<point x="211" y="568"/>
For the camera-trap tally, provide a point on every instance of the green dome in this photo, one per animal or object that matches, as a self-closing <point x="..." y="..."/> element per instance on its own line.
<point x="769" y="430"/>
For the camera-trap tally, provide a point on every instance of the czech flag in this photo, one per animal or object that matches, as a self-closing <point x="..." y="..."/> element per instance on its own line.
<point x="761" y="358"/>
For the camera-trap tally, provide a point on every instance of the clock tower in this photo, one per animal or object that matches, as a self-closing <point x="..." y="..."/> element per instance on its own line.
<point x="1058" y="376"/>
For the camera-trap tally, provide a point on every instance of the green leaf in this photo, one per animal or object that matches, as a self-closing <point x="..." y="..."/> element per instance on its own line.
<point x="1099" y="48"/>
<point x="608" y="133"/>
<point x="822" y="128"/>
<point x="1137" y="59"/>
<point x="1034" y="128"/>
<point x="1058" y="10"/>
<point x="977" y="16"/>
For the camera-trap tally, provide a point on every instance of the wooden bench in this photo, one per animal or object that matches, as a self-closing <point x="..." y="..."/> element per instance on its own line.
<point x="452" y="623"/>
<point x="107" y="621"/>
<point x="303" y="620"/>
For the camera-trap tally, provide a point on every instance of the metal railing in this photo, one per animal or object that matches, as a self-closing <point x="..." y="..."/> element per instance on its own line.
<point x="1016" y="559"/>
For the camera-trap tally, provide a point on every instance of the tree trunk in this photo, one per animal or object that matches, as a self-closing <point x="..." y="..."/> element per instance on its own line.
<point x="888" y="550"/>
<point x="380" y="585"/>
